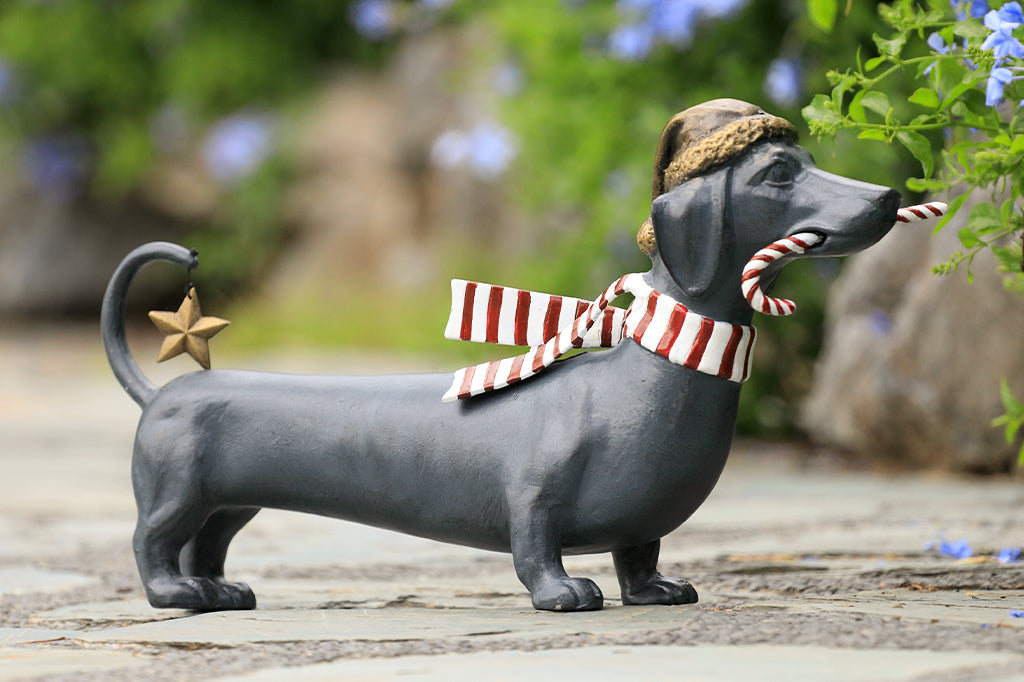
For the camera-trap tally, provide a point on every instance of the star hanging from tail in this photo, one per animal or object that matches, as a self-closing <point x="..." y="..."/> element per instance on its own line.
<point x="187" y="331"/>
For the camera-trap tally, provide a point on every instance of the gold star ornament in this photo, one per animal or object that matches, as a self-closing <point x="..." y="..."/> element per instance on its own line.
<point x="187" y="331"/>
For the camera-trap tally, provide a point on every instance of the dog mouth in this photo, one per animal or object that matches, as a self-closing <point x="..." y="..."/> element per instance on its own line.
<point x="786" y="248"/>
<point x="807" y="240"/>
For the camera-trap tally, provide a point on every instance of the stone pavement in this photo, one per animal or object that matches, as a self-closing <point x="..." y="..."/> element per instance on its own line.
<point x="806" y="569"/>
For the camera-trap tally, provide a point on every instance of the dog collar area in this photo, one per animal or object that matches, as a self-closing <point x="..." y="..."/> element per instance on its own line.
<point x="553" y="325"/>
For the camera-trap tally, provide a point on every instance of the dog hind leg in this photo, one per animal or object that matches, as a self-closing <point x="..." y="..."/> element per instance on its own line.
<point x="203" y="556"/>
<point x="171" y="513"/>
<point x="537" y="557"/>
<point x="642" y="584"/>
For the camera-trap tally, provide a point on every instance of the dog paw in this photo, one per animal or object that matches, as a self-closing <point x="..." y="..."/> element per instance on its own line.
<point x="568" y="594"/>
<point x="200" y="594"/>
<point x="234" y="597"/>
<point x="661" y="590"/>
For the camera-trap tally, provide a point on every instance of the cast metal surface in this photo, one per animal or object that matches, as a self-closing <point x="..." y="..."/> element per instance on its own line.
<point x="604" y="452"/>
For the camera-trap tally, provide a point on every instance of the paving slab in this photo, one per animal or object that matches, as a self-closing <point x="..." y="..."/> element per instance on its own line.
<point x="991" y="608"/>
<point x="20" y="663"/>
<point x="12" y="636"/>
<point x="788" y="549"/>
<point x="23" y="580"/>
<point x="231" y="629"/>
<point x="693" y="664"/>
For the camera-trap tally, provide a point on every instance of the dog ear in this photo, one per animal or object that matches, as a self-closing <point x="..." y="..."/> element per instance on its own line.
<point x="689" y="229"/>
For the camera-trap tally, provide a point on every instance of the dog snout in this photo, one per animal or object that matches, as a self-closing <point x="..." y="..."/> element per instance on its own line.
<point x="889" y="204"/>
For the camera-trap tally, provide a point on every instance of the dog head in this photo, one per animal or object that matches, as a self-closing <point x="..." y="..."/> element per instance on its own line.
<point x="729" y="179"/>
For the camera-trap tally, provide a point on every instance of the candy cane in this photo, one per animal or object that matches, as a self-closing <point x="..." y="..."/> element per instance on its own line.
<point x="913" y="214"/>
<point x="750" y="282"/>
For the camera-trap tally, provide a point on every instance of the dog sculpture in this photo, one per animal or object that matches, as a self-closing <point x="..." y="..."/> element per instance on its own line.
<point x="605" y="452"/>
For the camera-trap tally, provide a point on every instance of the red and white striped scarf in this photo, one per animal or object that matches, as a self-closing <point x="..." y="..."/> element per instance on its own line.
<point x="553" y="325"/>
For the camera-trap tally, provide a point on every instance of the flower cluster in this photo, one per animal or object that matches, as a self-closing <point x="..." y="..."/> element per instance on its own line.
<point x="646" y="23"/>
<point x="378" y="20"/>
<point x="1004" y="46"/>
<point x="975" y="9"/>
<point x="486" y="151"/>
<point x="237" y="145"/>
<point x="958" y="550"/>
<point x="59" y="166"/>
<point x="962" y="550"/>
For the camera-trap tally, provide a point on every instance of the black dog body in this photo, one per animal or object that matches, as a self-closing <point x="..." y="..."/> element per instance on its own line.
<point x="329" y="456"/>
<point x="607" y="451"/>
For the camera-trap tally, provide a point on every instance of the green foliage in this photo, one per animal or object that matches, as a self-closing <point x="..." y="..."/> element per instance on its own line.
<point x="955" y="123"/>
<point x="950" y="101"/>
<point x="104" y="71"/>
<point x="588" y="124"/>
<point x="1013" y="420"/>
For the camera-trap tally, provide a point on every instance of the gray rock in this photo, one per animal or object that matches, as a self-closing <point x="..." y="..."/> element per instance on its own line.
<point x="910" y="370"/>
<point x="56" y="258"/>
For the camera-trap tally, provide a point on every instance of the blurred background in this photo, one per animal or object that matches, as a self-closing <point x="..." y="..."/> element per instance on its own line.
<point x="336" y="163"/>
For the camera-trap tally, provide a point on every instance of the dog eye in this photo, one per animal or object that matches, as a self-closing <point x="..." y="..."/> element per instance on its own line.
<point x="779" y="175"/>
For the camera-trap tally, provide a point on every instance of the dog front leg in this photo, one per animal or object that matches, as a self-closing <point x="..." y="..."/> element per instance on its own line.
<point x="642" y="584"/>
<point x="537" y="555"/>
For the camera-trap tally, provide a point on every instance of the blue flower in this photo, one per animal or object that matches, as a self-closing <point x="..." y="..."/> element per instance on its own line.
<point x="487" y="150"/>
<point x="631" y="42"/>
<point x="1003" y="45"/>
<point x="997" y="81"/>
<point x="1016" y="614"/>
<point x="1009" y="555"/>
<point x="236" y="146"/>
<point x="1007" y="18"/>
<point x="674" y="20"/>
<point x="720" y="8"/>
<point x="436" y="5"/>
<point x="782" y="83"/>
<point x="645" y="22"/>
<point x="880" y="323"/>
<point x="7" y="82"/>
<point x="937" y="44"/>
<point x="507" y="78"/>
<point x="977" y="8"/>
<point x="59" y="166"/>
<point x="374" y="19"/>
<point x="491" y="150"/>
<point x="959" y="549"/>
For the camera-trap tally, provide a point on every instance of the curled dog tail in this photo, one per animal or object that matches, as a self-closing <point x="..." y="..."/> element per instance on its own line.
<point x="121" y="361"/>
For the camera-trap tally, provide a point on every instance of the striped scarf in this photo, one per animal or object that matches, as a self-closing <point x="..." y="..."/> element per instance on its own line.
<point x="553" y="325"/>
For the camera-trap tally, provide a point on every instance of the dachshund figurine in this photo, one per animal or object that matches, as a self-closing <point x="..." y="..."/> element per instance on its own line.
<point x="603" y="452"/>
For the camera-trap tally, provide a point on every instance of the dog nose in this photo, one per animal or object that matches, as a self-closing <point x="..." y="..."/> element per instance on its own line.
<point x="890" y="202"/>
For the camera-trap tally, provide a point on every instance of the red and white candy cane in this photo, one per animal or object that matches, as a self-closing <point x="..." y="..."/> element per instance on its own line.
<point x="750" y="282"/>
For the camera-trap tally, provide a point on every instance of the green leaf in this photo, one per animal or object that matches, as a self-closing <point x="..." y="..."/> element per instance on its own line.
<point x="926" y="97"/>
<point x="968" y="238"/>
<point x="822" y="111"/>
<point x="856" y="109"/>
<point x="970" y="28"/>
<point x="874" y="62"/>
<point x="876" y="101"/>
<point x="840" y="89"/>
<point x="873" y="134"/>
<point x="920" y="147"/>
<point x="984" y="218"/>
<point x="961" y="110"/>
<point x="922" y="185"/>
<point x="822" y="13"/>
<point x="890" y="47"/>
<point x="954" y="205"/>
<point x="1010" y="403"/>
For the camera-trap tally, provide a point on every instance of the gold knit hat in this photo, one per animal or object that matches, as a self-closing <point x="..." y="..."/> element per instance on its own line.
<point x="702" y="138"/>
